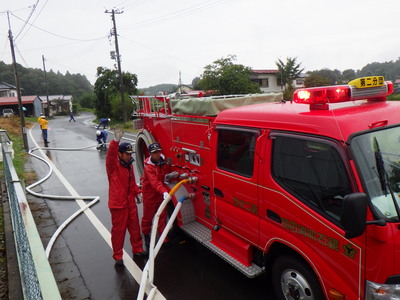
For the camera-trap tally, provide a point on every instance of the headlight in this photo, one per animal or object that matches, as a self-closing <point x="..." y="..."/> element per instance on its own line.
<point x="375" y="291"/>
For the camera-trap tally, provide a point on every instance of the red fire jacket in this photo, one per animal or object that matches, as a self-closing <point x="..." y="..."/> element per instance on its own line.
<point x="122" y="185"/>
<point x="153" y="180"/>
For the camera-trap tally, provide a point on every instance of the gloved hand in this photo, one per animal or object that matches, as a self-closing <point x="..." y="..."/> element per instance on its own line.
<point x="118" y="133"/>
<point x="165" y="195"/>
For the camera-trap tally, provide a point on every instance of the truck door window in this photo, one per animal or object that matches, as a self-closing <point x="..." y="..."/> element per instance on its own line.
<point x="236" y="151"/>
<point x="313" y="171"/>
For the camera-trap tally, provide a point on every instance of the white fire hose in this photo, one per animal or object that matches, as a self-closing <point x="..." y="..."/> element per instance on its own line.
<point x="148" y="271"/>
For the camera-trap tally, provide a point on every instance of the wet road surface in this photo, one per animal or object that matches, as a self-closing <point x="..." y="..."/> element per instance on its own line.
<point x="186" y="270"/>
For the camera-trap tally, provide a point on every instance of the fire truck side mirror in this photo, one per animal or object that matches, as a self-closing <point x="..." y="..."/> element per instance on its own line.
<point x="354" y="214"/>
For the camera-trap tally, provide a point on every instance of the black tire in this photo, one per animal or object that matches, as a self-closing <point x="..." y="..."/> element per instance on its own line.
<point x="143" y="141"/>
<point x="293" y="279"/>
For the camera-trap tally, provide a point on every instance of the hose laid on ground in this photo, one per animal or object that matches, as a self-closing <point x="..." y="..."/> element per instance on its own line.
<point x="94" y="199"/>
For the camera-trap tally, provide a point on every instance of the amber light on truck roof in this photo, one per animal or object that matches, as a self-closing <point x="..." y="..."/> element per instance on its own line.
<point x="369" y="88"/>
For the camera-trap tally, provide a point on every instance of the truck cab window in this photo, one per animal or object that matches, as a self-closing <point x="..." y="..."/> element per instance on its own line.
<point x="236" y="151"/>
<point x="313" y="171"/>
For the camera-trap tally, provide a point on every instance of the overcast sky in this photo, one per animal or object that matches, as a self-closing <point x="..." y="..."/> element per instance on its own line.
<point x="159" y="38"/>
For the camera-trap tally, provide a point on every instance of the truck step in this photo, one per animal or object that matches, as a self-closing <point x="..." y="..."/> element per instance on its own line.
<point x="203" y="235"/>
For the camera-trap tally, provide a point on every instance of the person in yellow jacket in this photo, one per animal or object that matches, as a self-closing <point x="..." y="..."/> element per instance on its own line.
<point x="38" y="120"/>
<point x="43" y="125"/>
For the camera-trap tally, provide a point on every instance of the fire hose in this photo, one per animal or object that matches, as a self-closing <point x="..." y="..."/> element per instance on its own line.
<point x="148" y="271"/>
<point x="94" y="199"/>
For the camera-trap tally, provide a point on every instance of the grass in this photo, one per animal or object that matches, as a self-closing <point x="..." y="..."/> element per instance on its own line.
<point x="395" y="97"/>
<point x="13" y="127"/>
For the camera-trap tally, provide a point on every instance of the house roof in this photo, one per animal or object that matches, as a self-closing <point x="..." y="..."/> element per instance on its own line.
<point x="6" y="86"/>
<point x="56" y="98"/>
<point x="265" y="71"/>
<point x="14" y="100"/>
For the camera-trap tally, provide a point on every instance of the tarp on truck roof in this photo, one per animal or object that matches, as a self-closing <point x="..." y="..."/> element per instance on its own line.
<point x="211" y="106"/>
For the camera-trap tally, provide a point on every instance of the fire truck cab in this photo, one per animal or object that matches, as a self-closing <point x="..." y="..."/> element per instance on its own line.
<point x="307" y="190"/>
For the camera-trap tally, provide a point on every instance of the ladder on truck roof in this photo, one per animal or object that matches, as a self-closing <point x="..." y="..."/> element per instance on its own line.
<point x="150" y="106"/>
<point x="165" y="106"/>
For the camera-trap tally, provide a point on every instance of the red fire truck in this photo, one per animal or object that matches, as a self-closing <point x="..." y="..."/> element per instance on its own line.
<point x="307" y="190"/>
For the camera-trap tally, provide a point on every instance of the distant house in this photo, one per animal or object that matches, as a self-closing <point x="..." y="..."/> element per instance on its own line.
<point x="183" y="88"/>
<point x="269" y="81"/>
<point x="32" y="105"/>
<point x="7" y="90"/>
<point x="57" y="104"/>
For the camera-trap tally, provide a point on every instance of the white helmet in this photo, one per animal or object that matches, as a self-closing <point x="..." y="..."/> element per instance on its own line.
<point x="98" y="132"/>
<point x="109" y="120"/>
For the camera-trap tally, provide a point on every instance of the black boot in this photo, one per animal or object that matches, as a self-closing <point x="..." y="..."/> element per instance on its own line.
<point x="147" y="242"/>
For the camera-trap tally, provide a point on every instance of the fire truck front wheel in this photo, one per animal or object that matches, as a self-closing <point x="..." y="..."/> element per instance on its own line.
<point x="293" y="280"/>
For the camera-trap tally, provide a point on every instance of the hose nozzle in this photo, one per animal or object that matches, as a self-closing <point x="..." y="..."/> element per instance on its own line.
<point x="193" y="179"/>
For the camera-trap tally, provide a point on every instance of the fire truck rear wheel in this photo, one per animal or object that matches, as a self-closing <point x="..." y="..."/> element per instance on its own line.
<point x="294" y="280"/>
<point x="143" y="141"/>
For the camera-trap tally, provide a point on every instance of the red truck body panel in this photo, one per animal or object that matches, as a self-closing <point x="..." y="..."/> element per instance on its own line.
<point x="246" y="208"/>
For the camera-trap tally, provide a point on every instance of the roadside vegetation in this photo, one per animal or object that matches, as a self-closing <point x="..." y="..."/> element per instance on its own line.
<point x="394" y="97"/>
<point x="13" y="127"/>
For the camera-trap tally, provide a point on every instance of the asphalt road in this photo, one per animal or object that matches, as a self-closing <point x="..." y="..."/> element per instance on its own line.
<point x="186" y="270"/>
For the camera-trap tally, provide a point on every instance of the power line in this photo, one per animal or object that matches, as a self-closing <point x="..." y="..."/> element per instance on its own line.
<point x="159" y="51"/>
<point x="26" y="22"/>
<point x="180" y="13"/>
<point x="20" y="55"/>
<point x="60" y="36"/>
<point x="35" y="17"/>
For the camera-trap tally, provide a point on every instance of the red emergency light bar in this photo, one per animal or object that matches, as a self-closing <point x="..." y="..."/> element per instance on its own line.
<point x="320" y="97"/>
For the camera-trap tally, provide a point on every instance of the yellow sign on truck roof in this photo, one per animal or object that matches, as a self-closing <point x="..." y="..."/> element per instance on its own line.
<point x="367" y="82"/>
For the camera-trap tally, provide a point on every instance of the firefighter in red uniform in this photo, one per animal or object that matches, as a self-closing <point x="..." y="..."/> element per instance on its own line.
<point x="153" y="190"/>
<point x="121" y="197"/>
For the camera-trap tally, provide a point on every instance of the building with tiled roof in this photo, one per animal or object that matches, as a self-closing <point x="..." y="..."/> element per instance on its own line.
<point x="32" y="105"/>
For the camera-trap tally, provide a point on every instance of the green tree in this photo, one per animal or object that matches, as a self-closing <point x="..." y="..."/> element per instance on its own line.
<point x="106" y="88"/>
<point x="348" y="75"/>
<point x="196" y="83"/>
<point x="87" y="100"/>
<point x="288" y="72"/>
<point x="390" y="70"/>
<point x="313" y="80"/>
<point x="116" y="106"/>
<point x="225" y="77"/>
<point x="32" y="81"/>
<point x="334" y="77"/>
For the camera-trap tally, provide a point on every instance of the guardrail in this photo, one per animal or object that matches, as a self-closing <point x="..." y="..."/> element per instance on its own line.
<point x="37" y="278"/>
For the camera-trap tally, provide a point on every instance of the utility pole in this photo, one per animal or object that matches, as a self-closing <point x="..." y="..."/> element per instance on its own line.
<point x="121" y="82"/>
<point x="20" y="108"/>
<point x="180" y="84"/>
<point x="46" y="86"/>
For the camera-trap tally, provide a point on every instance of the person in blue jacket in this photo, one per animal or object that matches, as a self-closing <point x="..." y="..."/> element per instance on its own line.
<point x="104" y="122"/>
<point x="101" y="136"/>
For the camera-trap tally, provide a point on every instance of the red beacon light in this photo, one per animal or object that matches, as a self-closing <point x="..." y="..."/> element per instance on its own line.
<point x="369" y="88"/>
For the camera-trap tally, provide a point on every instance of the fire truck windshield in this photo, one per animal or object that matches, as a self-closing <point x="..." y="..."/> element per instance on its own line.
<point x="377" y="155"/>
